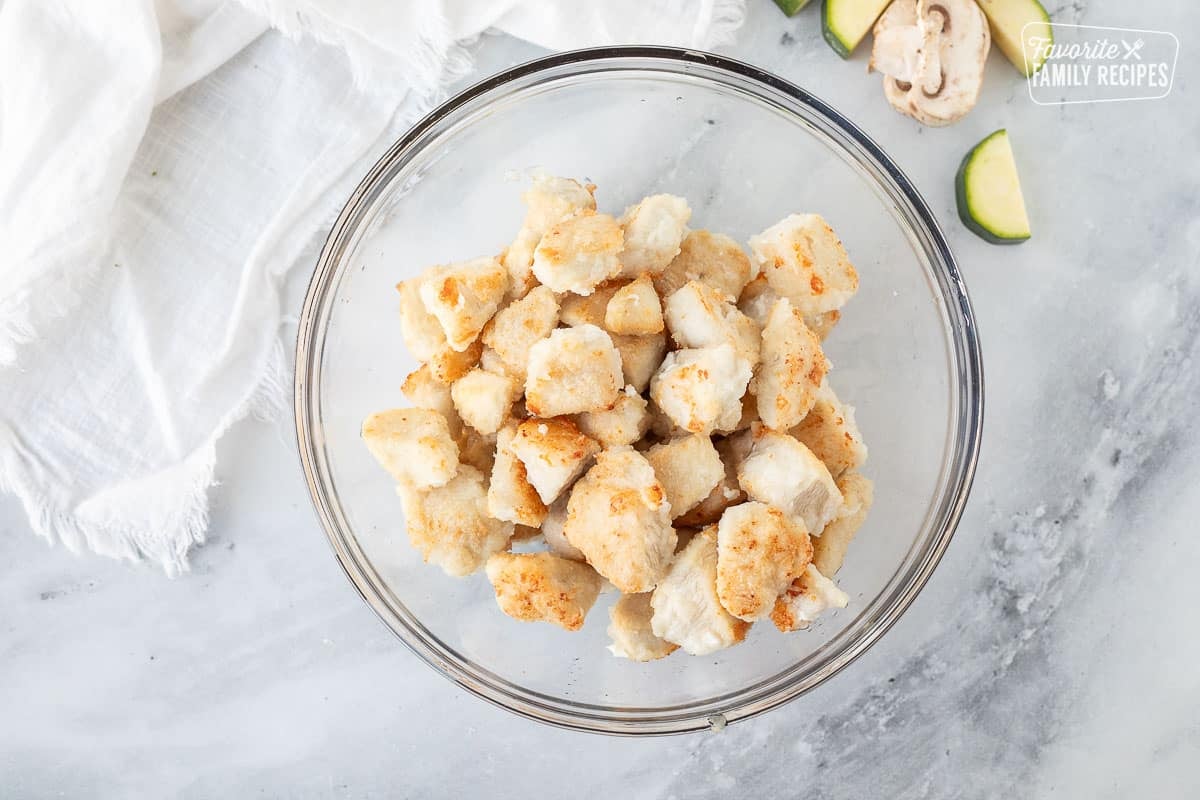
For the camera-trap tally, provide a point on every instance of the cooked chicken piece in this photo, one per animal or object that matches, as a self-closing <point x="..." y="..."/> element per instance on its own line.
<point x="524" y="533"/>
<point x="490" y="361"/>
<point x="542" y="587"/>
<point x="624" y="423"/>
<point x="641" y="357"/>
<point x="476" y="449"/>
<point x="464" y="297"/>
<point x="687" y="610"/>
<point x="749" y="415"/>
<point x="803" y="260"/>
<point x="725" y="494"/>
<point x="760" y="551"/>
<point x="484" y="399"/>
<point x="448" y="365"/>
<point x="634" y="310"/>
<point x="619" y="519"/>
<point x="572" y="371"/>
<point x="688" y="468"/>
<point x="782" y="472"/>
<point x="793" y="366"/>
<point x="758" y="298"/>
<point x="629" y="629"/>
<point x="554" y="452"/>
<point x="701" y="389"/>
<point x="588" y="309"/>
<point x="829" y="549"/>
<point x="579" y="253"/>
<point x="425" y="391"/>
<point x="714" y="259"/>
<point x="552" y="530"/>
<point x="699" y="316"/>
<point x="550" y="200"/>
<point x="810" y="594"/>
<point x="519" y="327"/>
<point x="510" y="496"/>
<point x="449" y="525"/>
<point x="829" y="430"/>
<point x="413" y="444"/>
<point x="422" y="332"/>
<point x="654" y="229"/>
<point x="662" y="427"/>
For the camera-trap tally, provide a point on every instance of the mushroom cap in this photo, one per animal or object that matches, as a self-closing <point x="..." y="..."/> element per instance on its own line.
<point x="932" y="54"/>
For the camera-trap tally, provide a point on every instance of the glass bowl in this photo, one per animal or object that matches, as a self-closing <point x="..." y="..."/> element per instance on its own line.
<point x="745" y="148"/>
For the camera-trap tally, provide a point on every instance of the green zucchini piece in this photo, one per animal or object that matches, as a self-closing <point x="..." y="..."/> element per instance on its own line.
<point x="791" y="7"/>
<point x="989" y="192"/>
<point x="1014" y="23"/>
<point x="844" y="23"/>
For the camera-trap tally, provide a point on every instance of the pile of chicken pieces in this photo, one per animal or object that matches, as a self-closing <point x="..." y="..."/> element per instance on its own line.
<point x="627" y="400"/>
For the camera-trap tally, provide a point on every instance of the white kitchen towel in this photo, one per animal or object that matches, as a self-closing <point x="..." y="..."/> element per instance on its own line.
<point x="162" y="166"/>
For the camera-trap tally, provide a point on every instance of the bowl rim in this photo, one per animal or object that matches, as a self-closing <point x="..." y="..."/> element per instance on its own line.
<point x="966" y="430"/>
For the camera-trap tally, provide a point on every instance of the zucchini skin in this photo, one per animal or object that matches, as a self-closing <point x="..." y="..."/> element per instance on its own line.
<point x="964" y="203"/>
<point x="831" y="38"/>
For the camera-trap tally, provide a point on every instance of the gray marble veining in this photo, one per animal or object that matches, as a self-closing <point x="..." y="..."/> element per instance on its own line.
<point x="1052" y="655"/>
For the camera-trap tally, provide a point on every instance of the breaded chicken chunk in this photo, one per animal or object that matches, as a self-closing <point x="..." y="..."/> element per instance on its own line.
<point x="464" y="297"/>
<point x="699" y="316"/>
<point x="713" y="259"/>
<point x="476" y="449"/>
<point x="448" y="365"/>
<point x="554" y="453"/>
<point x="829" y="430"/>
<point x="641" y="357"/>
<point x="654" y="229"/>
<point x="552" y="530"/>
<point x="758" y="298"/>
<point x="701" y="389"/>
<point x="449" y="525"/>
<point x="629" y="629"/>
<point x="805" y="600"/>
<point x="510" y="496"/>
<point x="782" y="472"/>
<point x="588" y="309"/>
<point x="572" y="371"/>
<point x="635" y="309"/>
<point x="484" y="399"/>
<point x="425" y="391"/>
<point x="421" y="330"/>
<point x="803" y="260"/>
<point x="549" y="200"/>
<point x="760" y="551"/>
<point x="542" y="587"/>
<point x="687" y="610"/>
<point x="413" y="444"/>
<point x="726" y="493"/>
<point x="624" y="423"/>
<point x="688" y="468"/>
<point x="519" y="326"/>
<point x="579" y="253"/>
<point x="829" y="549"/>
<point x="793" y="366"/>
<point x="619" y="519"/>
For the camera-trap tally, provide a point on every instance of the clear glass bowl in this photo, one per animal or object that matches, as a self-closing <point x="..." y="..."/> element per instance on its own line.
<point x="745" y="148"/>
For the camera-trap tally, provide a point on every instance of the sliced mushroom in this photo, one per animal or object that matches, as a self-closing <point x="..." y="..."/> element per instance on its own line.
<point x="931" y="53"/>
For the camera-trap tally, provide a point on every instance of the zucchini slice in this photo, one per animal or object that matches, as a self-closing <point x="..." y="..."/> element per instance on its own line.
<point x="989" y="192"/>
<point x="1014" y="23"/>
<point x="791" y="7"/>
<point x="844" y="23"/>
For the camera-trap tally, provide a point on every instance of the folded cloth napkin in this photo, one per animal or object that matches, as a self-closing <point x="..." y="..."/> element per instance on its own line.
<point x="163" y="165"/>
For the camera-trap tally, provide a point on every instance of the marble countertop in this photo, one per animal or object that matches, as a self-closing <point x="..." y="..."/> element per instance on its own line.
<point x="1052" y="654"/>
